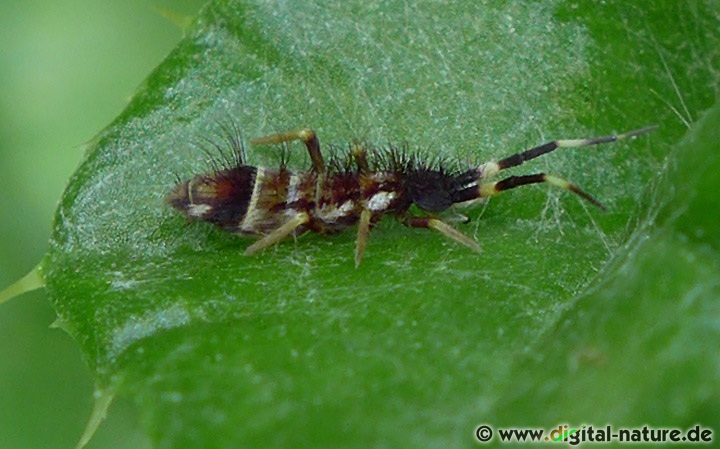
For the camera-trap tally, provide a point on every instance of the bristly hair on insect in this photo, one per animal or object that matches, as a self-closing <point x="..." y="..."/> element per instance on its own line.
<point x="358" y="186"/>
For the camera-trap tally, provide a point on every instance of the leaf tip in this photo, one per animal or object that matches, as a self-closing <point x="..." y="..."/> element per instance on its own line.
<point x="180" y="20"/>
<point x="31" y="281"/>
<point x="103" y="399"/>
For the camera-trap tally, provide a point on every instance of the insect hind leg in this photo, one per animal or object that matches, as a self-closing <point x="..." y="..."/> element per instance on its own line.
<point x="307" y="136"/>
<point x="359" y="155"/>
<point x="278" y="234"/>
<point x="362" y="235"/>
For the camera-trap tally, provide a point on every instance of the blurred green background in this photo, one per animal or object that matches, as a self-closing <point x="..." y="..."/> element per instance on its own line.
<point x="67" y="68"/>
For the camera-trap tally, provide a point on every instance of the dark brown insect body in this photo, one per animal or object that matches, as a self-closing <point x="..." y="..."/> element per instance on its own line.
<point x="275" y="203"/>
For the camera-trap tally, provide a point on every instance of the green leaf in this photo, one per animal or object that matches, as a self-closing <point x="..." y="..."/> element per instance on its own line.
<point x="425" y="339"/>
<point x="650" y="324"/>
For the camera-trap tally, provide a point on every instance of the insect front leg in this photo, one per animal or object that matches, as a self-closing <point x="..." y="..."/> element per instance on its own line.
<point x="443" y="228"/>
<point x="307" y="136"/>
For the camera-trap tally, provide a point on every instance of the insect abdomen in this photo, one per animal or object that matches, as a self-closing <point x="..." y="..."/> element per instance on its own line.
<point x="222" y="198"/>
<point x="331" y="202"/>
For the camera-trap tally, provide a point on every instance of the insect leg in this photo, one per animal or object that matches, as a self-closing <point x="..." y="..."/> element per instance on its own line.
<point x="443" y="228"/>
<point x="492" y="168"/>
<point x="307" y="136"/>
<point x="493" y="188"/>
<point x="360" y="156"/>
<point x="363" y="233"/>
<point x="278" y="234"/>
